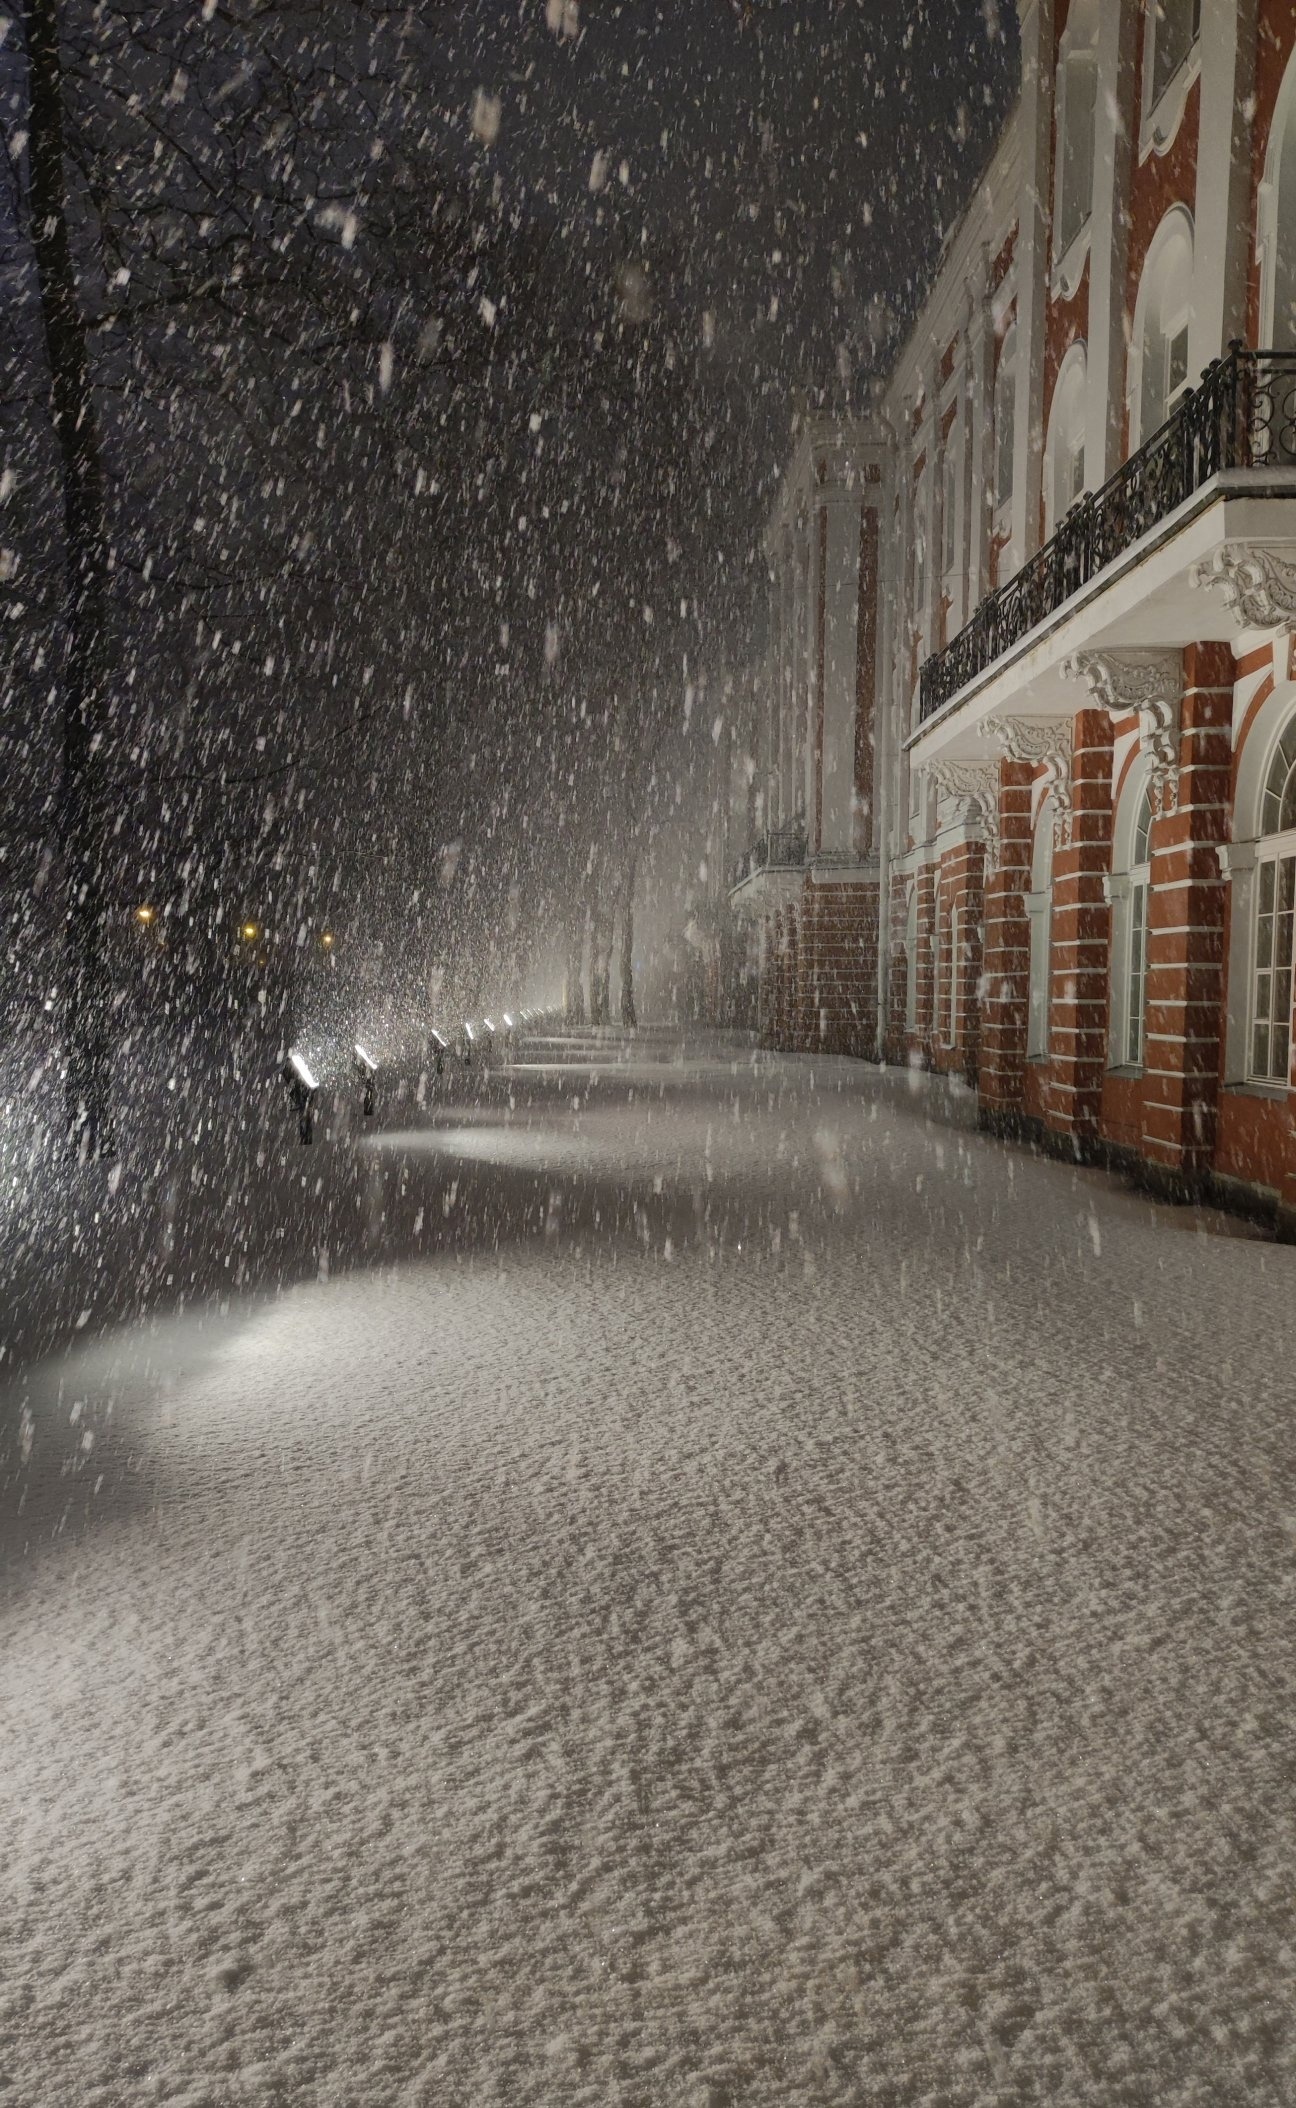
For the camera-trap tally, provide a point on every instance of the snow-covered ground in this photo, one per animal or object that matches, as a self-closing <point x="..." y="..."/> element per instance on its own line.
<point x="721" y="1586"/>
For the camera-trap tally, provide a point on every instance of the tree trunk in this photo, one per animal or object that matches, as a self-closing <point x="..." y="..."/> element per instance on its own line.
<point x="601" y="934"/>
<point x="629" y="1014"/>
<point x="82" y="803"/>
<point x="573" y="989"/>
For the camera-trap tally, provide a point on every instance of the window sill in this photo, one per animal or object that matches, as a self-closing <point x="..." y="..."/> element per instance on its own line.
<point x="1126" y="1071"/>
<point x="1277" y="1092"/>
<point x="1068" y="268"/>
<point x="1161" y="123"/>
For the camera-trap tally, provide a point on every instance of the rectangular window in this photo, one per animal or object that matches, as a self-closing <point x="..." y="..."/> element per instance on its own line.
<point x="1272" y="1003"/>
<point x="1176" y="366"/>
<point x="1077" y="112"/>
<point x="1136" y="976"/>
<point x="1176" y="25"/>
<point x="949" y="502"/>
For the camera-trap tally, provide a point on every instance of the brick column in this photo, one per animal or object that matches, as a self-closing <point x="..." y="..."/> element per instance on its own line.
<point x="791" y="1040"/>
<point x="1005" y="968"/>
<point x="1081" y="937"/>
<point x="771" y="994"/>
<point x="968" y="965"/>
<point x="840" y="967"/>
<point x="927" y="881"/>
<point x="1186" y="927"/>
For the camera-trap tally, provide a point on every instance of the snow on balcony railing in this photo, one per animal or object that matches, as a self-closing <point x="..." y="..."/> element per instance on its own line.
<point x="779" y="849"/>
<point x="1241" y="416"/>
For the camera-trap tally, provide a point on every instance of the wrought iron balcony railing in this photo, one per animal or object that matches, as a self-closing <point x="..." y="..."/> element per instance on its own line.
<point x="1241" y="416"/>
<point x="778" y="849"/>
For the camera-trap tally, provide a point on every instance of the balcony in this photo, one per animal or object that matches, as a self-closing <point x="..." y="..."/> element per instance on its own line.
<point x="1241" y="416"/>
<point x="779" y="849"/>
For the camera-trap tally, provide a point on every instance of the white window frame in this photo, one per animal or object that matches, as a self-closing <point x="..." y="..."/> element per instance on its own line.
<point x="1273" y="853"/>
<point x="1065" y="446"/>
<point x="1162" y="114"/>
<point x="1039" y="911"/>
<point x="1153" y="333"/>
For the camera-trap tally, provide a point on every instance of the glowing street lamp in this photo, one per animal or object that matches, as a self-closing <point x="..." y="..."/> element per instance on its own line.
<point x="367" y="1070"/>
<point x="145" y="915"/>
<point x="303" y="1087"/>
<point x="327" y="940"/>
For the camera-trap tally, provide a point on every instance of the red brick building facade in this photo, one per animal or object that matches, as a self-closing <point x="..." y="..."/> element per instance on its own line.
<point x="1026" y="761"/>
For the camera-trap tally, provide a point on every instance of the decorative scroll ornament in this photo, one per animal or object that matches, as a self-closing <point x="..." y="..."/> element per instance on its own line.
<point x="1046" y="742"/>
<point x="1256" y="582"/>
<point x="1147" y="685"/>
<point x="974" y="783"/>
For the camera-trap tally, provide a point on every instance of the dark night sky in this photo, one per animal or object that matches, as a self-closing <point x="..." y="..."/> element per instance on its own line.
<point x="809" y="153"/>
<point x="688" y="217"/>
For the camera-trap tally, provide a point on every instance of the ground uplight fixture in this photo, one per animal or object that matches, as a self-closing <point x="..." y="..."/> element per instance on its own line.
<point x="144" y="915"/>
<point x="249" y="932"/>
<point x="367" y="1070"/>
<point x="302" y="1085"/>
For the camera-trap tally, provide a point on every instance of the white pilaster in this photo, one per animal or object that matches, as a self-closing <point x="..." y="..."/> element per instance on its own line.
<point x="1118" y="27"/>
<point x="1222" y="215"/>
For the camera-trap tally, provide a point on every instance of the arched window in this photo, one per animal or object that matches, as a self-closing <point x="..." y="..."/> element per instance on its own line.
<point x="1005" y="408"/>
<point x="1278" y="222"/>
<point x="1275" y="908"/>
<point x="1064" y="476"/>
<point x="1159" y="375"/>
<point x="1130" y="890"/>
<point x="1040" y="918"/>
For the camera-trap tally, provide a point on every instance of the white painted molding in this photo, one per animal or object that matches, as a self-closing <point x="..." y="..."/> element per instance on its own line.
<point x="1045" y="743"/>
<point x="1235" y="859"/>
<point x="1147" y="685"/>
<point x="1257" y="583"/>
<point x="974" y="783"/>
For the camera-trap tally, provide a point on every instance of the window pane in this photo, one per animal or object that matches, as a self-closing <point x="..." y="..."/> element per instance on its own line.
<point x="1260" y="1051"/>
<point x="1266" y="889"/>
<point x="1264" y="988"/>
<point x="1264" y="944"/>
<point x="1176" y="363"/>
<point x="1280" y="1053"/>
<point x="1287" y="884"/>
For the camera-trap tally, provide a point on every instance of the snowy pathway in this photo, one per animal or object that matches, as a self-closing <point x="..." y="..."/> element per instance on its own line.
<point x="737" y="1592"/>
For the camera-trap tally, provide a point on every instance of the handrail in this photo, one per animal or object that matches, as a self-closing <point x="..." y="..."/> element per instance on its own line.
<point x="1242" y="415"/>
<point x="778" y="849"/>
